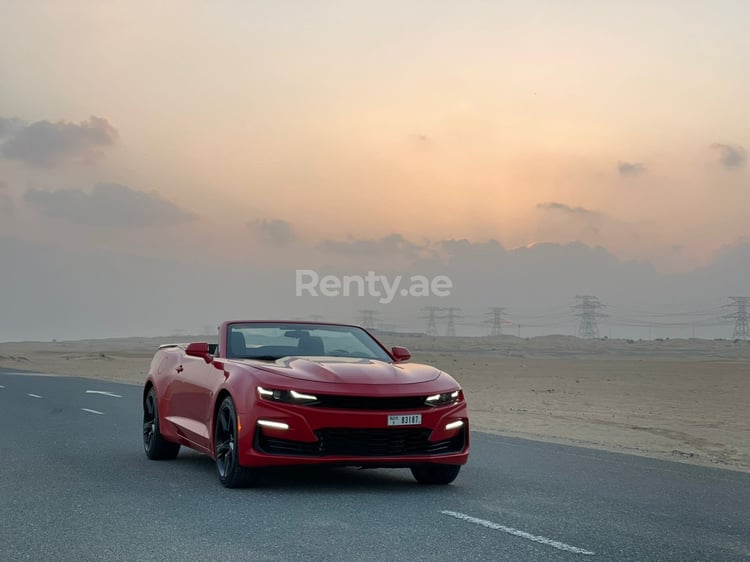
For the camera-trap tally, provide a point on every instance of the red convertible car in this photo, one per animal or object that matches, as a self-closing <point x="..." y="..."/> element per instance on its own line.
<point x="296" y="393"/>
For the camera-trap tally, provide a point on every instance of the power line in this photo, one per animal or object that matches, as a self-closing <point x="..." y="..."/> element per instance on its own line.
<point x="588" y="314"/>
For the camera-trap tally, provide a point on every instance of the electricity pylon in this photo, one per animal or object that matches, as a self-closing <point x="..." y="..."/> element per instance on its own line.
<point x="452" y="316"/>
<point x="741" y="330"/>
<point x="495" y="318"/>
<point x="588" y="309"/>
<point x="367" y="318"/>
<point x="431" y="318"/>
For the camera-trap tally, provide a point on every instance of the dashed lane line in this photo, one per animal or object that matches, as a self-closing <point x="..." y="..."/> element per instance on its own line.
<point x="92" y="411"/>
<point x="103" y="392"/>
<point x="517" y="533"/>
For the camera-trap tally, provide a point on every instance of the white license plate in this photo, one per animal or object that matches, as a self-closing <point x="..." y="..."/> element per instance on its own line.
<point x="405" y="419"/>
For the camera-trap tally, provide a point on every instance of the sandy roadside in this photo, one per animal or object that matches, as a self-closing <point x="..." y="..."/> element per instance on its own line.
<point x="684" y="400"/>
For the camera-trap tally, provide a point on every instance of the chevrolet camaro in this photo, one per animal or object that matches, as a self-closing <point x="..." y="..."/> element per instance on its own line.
<point x="273" y="393"/>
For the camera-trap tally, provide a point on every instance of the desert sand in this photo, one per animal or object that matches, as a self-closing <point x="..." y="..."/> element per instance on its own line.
<point x="684" y="400"/>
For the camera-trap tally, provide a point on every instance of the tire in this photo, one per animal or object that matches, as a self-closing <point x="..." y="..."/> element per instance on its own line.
<point x="435" y="474"/>
<point x="228" y="468"/>
<point x="157" y="448"/>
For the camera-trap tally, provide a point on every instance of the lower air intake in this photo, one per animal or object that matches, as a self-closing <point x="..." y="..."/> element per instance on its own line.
<point x="392" y="442"/>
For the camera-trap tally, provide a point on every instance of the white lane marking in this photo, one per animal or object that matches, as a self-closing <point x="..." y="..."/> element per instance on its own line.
<point x="1" y="386"/>
<point x="33" y="395"/>
<point x="92" y="411"/>
<point x="515" y="532"/>
<point x="112" y="394"/>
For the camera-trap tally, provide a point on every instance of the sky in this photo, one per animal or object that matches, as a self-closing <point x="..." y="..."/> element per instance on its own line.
<point x="507" y="144"/>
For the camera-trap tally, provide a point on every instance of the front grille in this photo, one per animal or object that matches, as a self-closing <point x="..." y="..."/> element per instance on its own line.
<point x="370" y="402"/>
<point x="392" y="442"/>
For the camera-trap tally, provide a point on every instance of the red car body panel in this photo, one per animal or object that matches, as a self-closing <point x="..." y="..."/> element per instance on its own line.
<point x="190" y="389"/>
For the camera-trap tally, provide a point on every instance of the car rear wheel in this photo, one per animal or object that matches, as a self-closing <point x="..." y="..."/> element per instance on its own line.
<point x="157" y="448"/>
<point x="435" y="474"/>
<point x="231" y="474"/>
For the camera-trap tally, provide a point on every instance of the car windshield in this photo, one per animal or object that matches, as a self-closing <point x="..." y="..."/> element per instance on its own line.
<point x="272" y="341"/>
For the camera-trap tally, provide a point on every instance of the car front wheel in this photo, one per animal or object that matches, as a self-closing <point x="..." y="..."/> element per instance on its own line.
<point x="231" y="474"/>
<point x="157" y="448"/>
<point x="435" y="474"/>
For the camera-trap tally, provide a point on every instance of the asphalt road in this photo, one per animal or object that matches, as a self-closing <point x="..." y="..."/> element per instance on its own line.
<point x="75" y="485"/>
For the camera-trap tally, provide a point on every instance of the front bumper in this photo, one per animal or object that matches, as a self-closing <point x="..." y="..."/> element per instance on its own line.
<point x="351" y="437"/>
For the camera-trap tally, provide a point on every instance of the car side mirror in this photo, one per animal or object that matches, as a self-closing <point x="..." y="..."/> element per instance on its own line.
<point x="199" y="349"/>
<point x="400" y="353"/>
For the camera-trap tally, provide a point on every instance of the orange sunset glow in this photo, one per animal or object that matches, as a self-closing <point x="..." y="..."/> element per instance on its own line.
<point x="621" y="126"/>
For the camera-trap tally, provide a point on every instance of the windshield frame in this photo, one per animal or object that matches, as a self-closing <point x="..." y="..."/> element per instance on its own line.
<point x="368" y="340"/>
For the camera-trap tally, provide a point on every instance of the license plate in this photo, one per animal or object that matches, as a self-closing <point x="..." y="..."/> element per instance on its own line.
<point x="405" y="419"/>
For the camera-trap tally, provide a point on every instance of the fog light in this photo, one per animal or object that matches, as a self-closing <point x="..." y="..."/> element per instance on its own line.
<point x="454" y="424"/>
<point x="275" y="425"/>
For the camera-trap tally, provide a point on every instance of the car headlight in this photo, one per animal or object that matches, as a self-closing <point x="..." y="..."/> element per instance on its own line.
<point x="442" y="399"/>
<point x="286" y="396"/>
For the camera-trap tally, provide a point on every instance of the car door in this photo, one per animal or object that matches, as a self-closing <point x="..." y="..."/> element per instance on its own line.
<point x="194" y="384"/>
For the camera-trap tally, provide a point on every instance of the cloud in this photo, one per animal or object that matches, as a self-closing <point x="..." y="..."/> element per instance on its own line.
<point x="387" y="245"/>
<point x="565" y="222"/>
<point x="466" y="249"/>
<point x="537" y="284"/>
<point x="45" y="144"/>
<point x="274" y="232"/>
<point x="421" y="141"/>
<point x="109" y="204"/>
<point x="9" y="126"/>
<point x="567" y="209"/>
<point x="6" y="202"/>
<point x="631" y="169"/>
<point x="731" y="155"/>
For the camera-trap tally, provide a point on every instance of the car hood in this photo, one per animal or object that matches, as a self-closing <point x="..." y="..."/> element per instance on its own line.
<point x="348" y="370"/>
